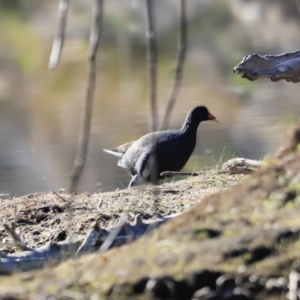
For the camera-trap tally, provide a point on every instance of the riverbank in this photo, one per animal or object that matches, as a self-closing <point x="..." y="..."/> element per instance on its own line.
<point x="239" y="236"/>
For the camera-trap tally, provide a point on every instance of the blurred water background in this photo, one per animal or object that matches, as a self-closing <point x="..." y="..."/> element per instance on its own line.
<point x="40" y="109"/>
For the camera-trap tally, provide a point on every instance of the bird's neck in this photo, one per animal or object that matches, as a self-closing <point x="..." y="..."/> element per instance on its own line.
<point x="189" y="127"/>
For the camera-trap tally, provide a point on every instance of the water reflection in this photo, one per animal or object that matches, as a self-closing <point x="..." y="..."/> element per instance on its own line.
<point x="40" y="110"/>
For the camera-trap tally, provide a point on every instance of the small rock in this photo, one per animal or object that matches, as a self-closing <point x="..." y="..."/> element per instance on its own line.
<point x="276" y="284"/>
<point x="241" y="269"/>
<point x="206" y="294"/>
<point x="139" y="287"/>
<point x="205" y="278"/>
<point x="253" y="278"/>
<point x="226" y="282"/>
<point x="240" y="294"/>
<point x="161" y="288"/>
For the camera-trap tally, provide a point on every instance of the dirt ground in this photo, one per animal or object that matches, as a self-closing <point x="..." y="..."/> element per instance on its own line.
<point x="45" y="217"/>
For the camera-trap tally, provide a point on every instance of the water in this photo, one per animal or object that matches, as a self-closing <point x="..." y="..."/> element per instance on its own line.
<point x="40" y="110"/>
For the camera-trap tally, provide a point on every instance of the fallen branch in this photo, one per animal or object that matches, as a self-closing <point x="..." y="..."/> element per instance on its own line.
<point x="56" y="252"/>
<point x="173" y="173"/>
<point x="231" y="170"/>
<point x="37" y="258"/>
<point x="236" y="165"/>
<point x="285" y="66"/>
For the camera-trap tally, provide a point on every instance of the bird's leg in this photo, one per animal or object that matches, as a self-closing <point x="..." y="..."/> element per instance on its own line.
<point x="142" y="169"/>
<point x="136" y="180"/>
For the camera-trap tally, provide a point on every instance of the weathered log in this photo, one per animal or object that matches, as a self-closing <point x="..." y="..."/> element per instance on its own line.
<point x="37" y="258"/>
<point x="284" y="66"/>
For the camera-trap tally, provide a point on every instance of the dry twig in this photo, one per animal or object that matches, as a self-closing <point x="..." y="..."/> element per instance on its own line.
<point x="58" y="196"/>
<point x="152" y="62"/>
<point x="59" y="34"/>
<point x="84" y="134"/>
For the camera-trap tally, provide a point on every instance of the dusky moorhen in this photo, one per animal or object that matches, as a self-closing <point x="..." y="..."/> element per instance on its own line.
<point x="156" y="152"/>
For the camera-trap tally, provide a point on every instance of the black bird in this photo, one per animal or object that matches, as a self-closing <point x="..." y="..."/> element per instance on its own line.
<point x="156" y="152"/>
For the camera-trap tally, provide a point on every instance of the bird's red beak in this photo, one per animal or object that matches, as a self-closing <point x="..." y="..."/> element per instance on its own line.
<point x="212" y="118"/>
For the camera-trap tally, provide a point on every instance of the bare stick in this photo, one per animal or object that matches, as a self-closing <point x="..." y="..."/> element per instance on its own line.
<point x="181" y="54"/>
<point x="17" y="240"/>
<point x="113" y="234"/>
<point x="59" y="34"/>
<point x="58" y="196"/>
<point x="151" y="62"/>
<point x="87" y="113"/>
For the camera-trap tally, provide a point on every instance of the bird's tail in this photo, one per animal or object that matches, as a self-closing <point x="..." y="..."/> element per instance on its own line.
<point x="112" y="152"/>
